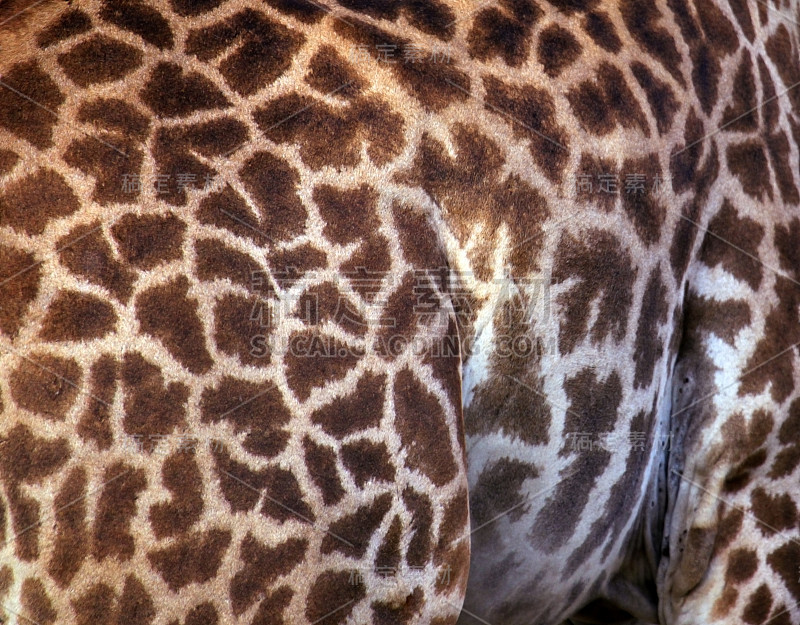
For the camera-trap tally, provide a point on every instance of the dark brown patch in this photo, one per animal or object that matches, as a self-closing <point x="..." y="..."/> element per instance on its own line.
<point x="780" y="156"/>
<point x="434" y="85"/>
<point x="505" y="34"/>
<point x="69" y="24"/>
<point x="195" y="558"/>
<point x="643" y="22"/>
<point x="785" y="462"/>
<point x="46" y="385"/>
<point x="531" y="113"/>
<point x="605" y="273"/>
<point x="498" y="490"/>
<point x="171" y="93"/>
<point x="262" y="49"/>
<point x="644" y="207"/>
<point x="321" y="466"/>
<point x="114" y="115"/>
<point x="257" y="409"/>
<point x="71" y="539"/>
<point x="284" y="500"/>
<point x="178" y="168"/>
<point x="240" y="485"/>
<point x="140" y="19"/>
<point x="36" y="604"/>
<point x="328" y="71"/>
<point x="241" y="329"/>
<point x="784" y="562"/>
<point x="685" y="158"/>
<point x="332" y="589"/>
<point x="742" y="565"/>
<point x="168" y="313"/>
<point x="757" y="609"/>
<point x="76" y="316"/>
<point x="302" y="11"/>
<point x="95" y="422"/>
<point x="356" y="528"/>
<point x="273" y="184"/>
<point x="135" y="606"/>
<point x="663" y="103"/>
<point x="349" y="214"/>
<point x="733" y="243"/>
<point x="368" y="462"/>
<point x="742" y="113"/>
<point x="779" y="49"/>
<point x="748" y="162"/>
<point x="181" y="476"/>
<point x="601" y="29"/>
<point x="148" y="240"/>
<point x="99" y="59"/>
<point x="262" y="565"/>
<point x="94" y="607"/>
<point x="648" y="348"/>
<point x="19" y="284"/>
<point x="315" y="359"/>
<point x="389" y="556"/>
<point x="270" y="610"/>
<point x="775" y="512"/>
<point x="215" y="260"/>
<point x="194" y="7"/>
<point x="30" y="204"/>
<point x="86" y="253"/>
<point x="356" y="412"/>
<point x="770" y="109"/>
<point x="556" y="49"/>
<point x="742" y="14"/>
<point x="368" y="266"/>
<point x="8" y="161"/>
<point x="422" y="426"/>
<point x="29" y="110"/>
<point x="151" y="406"/>
<point x="116" y="508"/>
<point x="419" y="548"/>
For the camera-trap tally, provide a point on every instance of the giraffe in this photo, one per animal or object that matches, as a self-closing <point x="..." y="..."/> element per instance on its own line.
<point x="352" y="312"/>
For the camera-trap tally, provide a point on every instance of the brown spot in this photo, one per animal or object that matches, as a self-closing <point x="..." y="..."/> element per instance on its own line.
<point x="181" y="476"/>
<point x="178" y="168"/>
<point x="742" y="13"/>
<point x="19" y="284"/>
<point x="531" y="113"/>
<point x="784" y="562"/>
<point x="328" y="71"/>
<point x="171" y="93"/>
<point x="215" y="260"/>
<point x="273" y="184"/>
<point x="434" y="84"/>
<point x="593" y="260"/>
<point x="388" y="555"/>
<point x="86" y="253"/>
<point x="114" y="115"/>
<point x="95" y="422"/>
<point x="419" y="548"/>
<point x="770" y="109"/>
<point x="368" y="266"/>
<point x="742" y="113"/>
<point x="240" y="485"/>
<point x="349" y="214"/>
<point x="194" y="7"/>
<point x="8" y="161"/>
<point x="321" y="466"/>
<point x="685" y="158"/>
<point x="152" y="408"/>
<point x="779" y="155"/>
<point x="368" y="462"/>
<point x="388" y="613"/>
<point x="257" y="409"/>
<point x="724" y="603"/>
<point x="135" y="606"/>
<point x="169" y="314"/>
<point x="785" y="462"/>
<point x="312" y="125"/>
<point x="94" y="607"/>
<point x="262" y="565"/>
<point x="241" y="329"/>
<point x="356" y="528"/>
<point x="505" y="34"/>
<point x="30" y="204"/>
<point x="195" y="558"/>
<point x="757" y="609"/>
<point x="36" y="604"/>
<point x="314" y="359"/>
<point x="284" y="499"/>
<point x="748" y="162"/>
<point x="332" y="589"/>
<point x="647" y="350"/>
<point x="140" y="19"/>
<point x="644" y="24"/>
<point x="643" y="207"/>
<point x="725" y="319"/>
<point x="148" y="240"/>
<point x="498" y="491"/>
<point x="422" y="426"/>
<point x="203" y="614"/>
<point x="324" y="302"/>
<point x="601" y="29"/>
<point x="99" y="59"/>
<point x="29" y="110"/>
<point x="116" y="508"/>
<point x="289" y="266"/>
<point x="72" y="535"/>
<point x="69" y="24"/>
<point x="784" y="59"/>
<point x="663" y="103"/>
<point x="76" y="316"/>
<point x="557" y="49"/>
<point x="259" y="49"/>
<point x="775" y="513"/>
<point x="46" y="385"/>
<point x="111" y="160"/>
<point x="742" y="565"/>
<point x="270" y="610"/>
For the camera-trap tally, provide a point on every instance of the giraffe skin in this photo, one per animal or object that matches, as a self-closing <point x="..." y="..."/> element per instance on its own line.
<point x="383" y="284"/>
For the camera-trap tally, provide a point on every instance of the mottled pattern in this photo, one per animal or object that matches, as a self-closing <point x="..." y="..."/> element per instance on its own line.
<point x="293" y="293"/>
